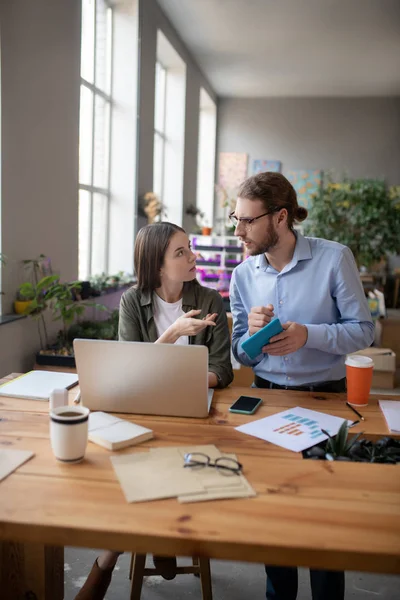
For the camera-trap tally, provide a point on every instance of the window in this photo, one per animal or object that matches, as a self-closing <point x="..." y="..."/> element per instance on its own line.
<point x="206" y="156"/>
<point x="159" y="130"/>
<point x="169" y="129"/>
<point x="95" y="136"/>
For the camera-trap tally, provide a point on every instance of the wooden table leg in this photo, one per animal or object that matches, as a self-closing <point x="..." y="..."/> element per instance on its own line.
<point x="205" y="578"/>
<point x="139" y="563"/>
<point x="31" y="572"/>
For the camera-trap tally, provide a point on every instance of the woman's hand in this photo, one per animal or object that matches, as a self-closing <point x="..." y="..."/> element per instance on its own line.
<point x="187" y="324"/>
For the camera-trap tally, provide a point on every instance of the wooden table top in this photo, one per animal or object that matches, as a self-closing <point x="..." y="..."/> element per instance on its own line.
<point x="311" y="513"/>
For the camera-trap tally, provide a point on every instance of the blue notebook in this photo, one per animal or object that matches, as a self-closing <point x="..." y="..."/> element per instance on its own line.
<point x="256" y="342"/>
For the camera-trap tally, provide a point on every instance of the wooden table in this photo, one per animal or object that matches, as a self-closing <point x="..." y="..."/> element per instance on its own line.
<point x="310" y="513"/>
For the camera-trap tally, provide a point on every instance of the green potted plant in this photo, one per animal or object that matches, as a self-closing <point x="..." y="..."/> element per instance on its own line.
<point x="340" y="447"/>
<point x="60" y="299"/>
<point x="25" y="295"/>
<point x="198" y="215"/>
<point x="98" y="283"/>
<point x="363" y="214"/>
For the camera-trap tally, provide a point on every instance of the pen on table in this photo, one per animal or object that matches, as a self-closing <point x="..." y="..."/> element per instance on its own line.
<point x="355" y="411"/>
<point x="77" y="398"/>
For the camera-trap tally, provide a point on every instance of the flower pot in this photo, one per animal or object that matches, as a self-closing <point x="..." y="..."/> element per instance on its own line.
<point x="206" y="230"/>
<point x="55" y="360"/>
<point x="20" y="306"/>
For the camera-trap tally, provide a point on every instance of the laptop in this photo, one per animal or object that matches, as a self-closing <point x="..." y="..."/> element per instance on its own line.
<point x="143" y="378"/>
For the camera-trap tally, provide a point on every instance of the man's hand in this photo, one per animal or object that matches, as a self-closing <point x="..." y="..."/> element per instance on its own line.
<point x="259" y="317"/>
<point x="291" y="339"/>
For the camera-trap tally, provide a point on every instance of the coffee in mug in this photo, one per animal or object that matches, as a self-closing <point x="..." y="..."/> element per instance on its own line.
<point x="69" y="432"/>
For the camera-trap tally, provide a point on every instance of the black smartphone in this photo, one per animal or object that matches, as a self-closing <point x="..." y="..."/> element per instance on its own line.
<point x="245" y="405"/>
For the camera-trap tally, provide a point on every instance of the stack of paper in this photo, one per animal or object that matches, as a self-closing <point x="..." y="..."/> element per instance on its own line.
<point x="160" y="474"/>
<point x="391" y="412"/>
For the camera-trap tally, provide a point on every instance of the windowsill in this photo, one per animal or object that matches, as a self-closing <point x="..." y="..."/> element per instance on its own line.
<point x="10" y="318"/>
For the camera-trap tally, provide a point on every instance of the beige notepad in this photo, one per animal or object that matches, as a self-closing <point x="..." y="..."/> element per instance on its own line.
<point x="114" y="433"/>
<point x="148" y="476"/>
<point x="11" y="460"/>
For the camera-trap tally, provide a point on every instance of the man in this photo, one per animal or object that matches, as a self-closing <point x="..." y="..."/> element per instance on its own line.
<point x="313" y="286"/>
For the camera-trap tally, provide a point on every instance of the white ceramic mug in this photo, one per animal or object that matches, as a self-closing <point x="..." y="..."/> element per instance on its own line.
<point x="69" y="432"/>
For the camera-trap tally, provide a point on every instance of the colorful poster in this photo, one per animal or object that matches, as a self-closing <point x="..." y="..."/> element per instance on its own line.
<point x="307" y="183"/>
<point x="232" y="169"/>
<point x="260" y="166"/>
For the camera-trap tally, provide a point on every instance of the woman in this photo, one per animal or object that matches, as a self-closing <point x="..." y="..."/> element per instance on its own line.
<point x="167" y="306"/>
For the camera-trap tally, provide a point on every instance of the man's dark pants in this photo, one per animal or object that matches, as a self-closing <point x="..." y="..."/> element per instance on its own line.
<point x="282" y="582"/>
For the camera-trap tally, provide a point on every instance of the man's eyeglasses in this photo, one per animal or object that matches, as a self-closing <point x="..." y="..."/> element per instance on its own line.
<point x="247" y="222"/>
<point x="223" y="464"/>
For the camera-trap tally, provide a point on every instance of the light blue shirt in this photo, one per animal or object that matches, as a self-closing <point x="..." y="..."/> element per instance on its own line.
<point x="319" y="288"/>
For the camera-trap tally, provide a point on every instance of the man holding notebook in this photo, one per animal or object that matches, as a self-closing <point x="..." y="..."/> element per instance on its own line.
<point x="313" y="287"/>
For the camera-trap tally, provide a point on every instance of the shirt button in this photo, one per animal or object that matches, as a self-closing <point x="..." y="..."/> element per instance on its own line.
<point x="281" y="302"/>
<point x="286" y="357"/>
<point x="289" y="378"/>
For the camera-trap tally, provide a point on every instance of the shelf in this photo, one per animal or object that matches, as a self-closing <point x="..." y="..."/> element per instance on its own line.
<point x="215" y="248"/>
<point x="214" y="267"/>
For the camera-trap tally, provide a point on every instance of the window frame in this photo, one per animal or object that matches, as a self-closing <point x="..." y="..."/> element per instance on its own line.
<point x="161" y="134"/>
<point x="92" y="189"/>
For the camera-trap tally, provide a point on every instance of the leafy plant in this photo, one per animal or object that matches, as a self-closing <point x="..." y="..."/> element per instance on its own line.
<point x="102" y="282"/>
<point x="363" y="214"/>
<point x="96" y="330"/>
<point x="37" y="294"/>
<point x="60" y="298"/>
<point x="339" y="447"/>
<point x="25" y="292"/>
<point x="99" y="282"/>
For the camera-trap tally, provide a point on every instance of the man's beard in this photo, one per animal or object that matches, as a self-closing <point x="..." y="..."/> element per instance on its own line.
<point x="270" y="241"/>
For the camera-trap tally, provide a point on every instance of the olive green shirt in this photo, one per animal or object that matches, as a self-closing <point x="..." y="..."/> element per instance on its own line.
<point x="137" y="324"/>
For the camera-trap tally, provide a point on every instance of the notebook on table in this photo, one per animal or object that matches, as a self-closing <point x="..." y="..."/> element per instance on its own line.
<point x="38" y="385"/>
<point x="114" y="433"/>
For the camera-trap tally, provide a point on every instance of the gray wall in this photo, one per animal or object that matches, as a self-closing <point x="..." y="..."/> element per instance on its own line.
<point x="359" y="136"/>
<point x="40" y="70"/>
<point x="151" y="18"/>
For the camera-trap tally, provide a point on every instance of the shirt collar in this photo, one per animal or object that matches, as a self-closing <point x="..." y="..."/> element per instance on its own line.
<point x="302" y="251"/>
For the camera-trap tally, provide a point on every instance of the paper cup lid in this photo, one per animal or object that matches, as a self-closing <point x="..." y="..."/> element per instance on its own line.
<point x="360" y="361"/>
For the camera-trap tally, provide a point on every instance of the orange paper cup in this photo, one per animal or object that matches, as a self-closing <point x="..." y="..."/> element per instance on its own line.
<point x="359" y="378"/>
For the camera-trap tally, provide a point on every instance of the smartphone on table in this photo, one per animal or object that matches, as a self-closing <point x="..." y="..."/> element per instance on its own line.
<point x="245" y="405"/>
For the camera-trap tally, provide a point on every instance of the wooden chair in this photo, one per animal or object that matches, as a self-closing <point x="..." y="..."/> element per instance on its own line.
<point x="396" y="287"/>
<point x="138" y="570"/>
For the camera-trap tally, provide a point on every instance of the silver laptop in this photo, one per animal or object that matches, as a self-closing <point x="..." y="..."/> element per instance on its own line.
<point x="143" y="378"/>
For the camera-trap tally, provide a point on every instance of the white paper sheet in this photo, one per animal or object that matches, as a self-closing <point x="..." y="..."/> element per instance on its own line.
<point x="391" y="412"/>
<point x="295" y="429"/>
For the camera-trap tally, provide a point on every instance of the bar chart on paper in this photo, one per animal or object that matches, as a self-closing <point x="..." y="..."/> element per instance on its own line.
<point x="295" y="429"/>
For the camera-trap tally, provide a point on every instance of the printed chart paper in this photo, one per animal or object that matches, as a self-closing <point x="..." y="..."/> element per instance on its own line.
<point x="295" y="429"/>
